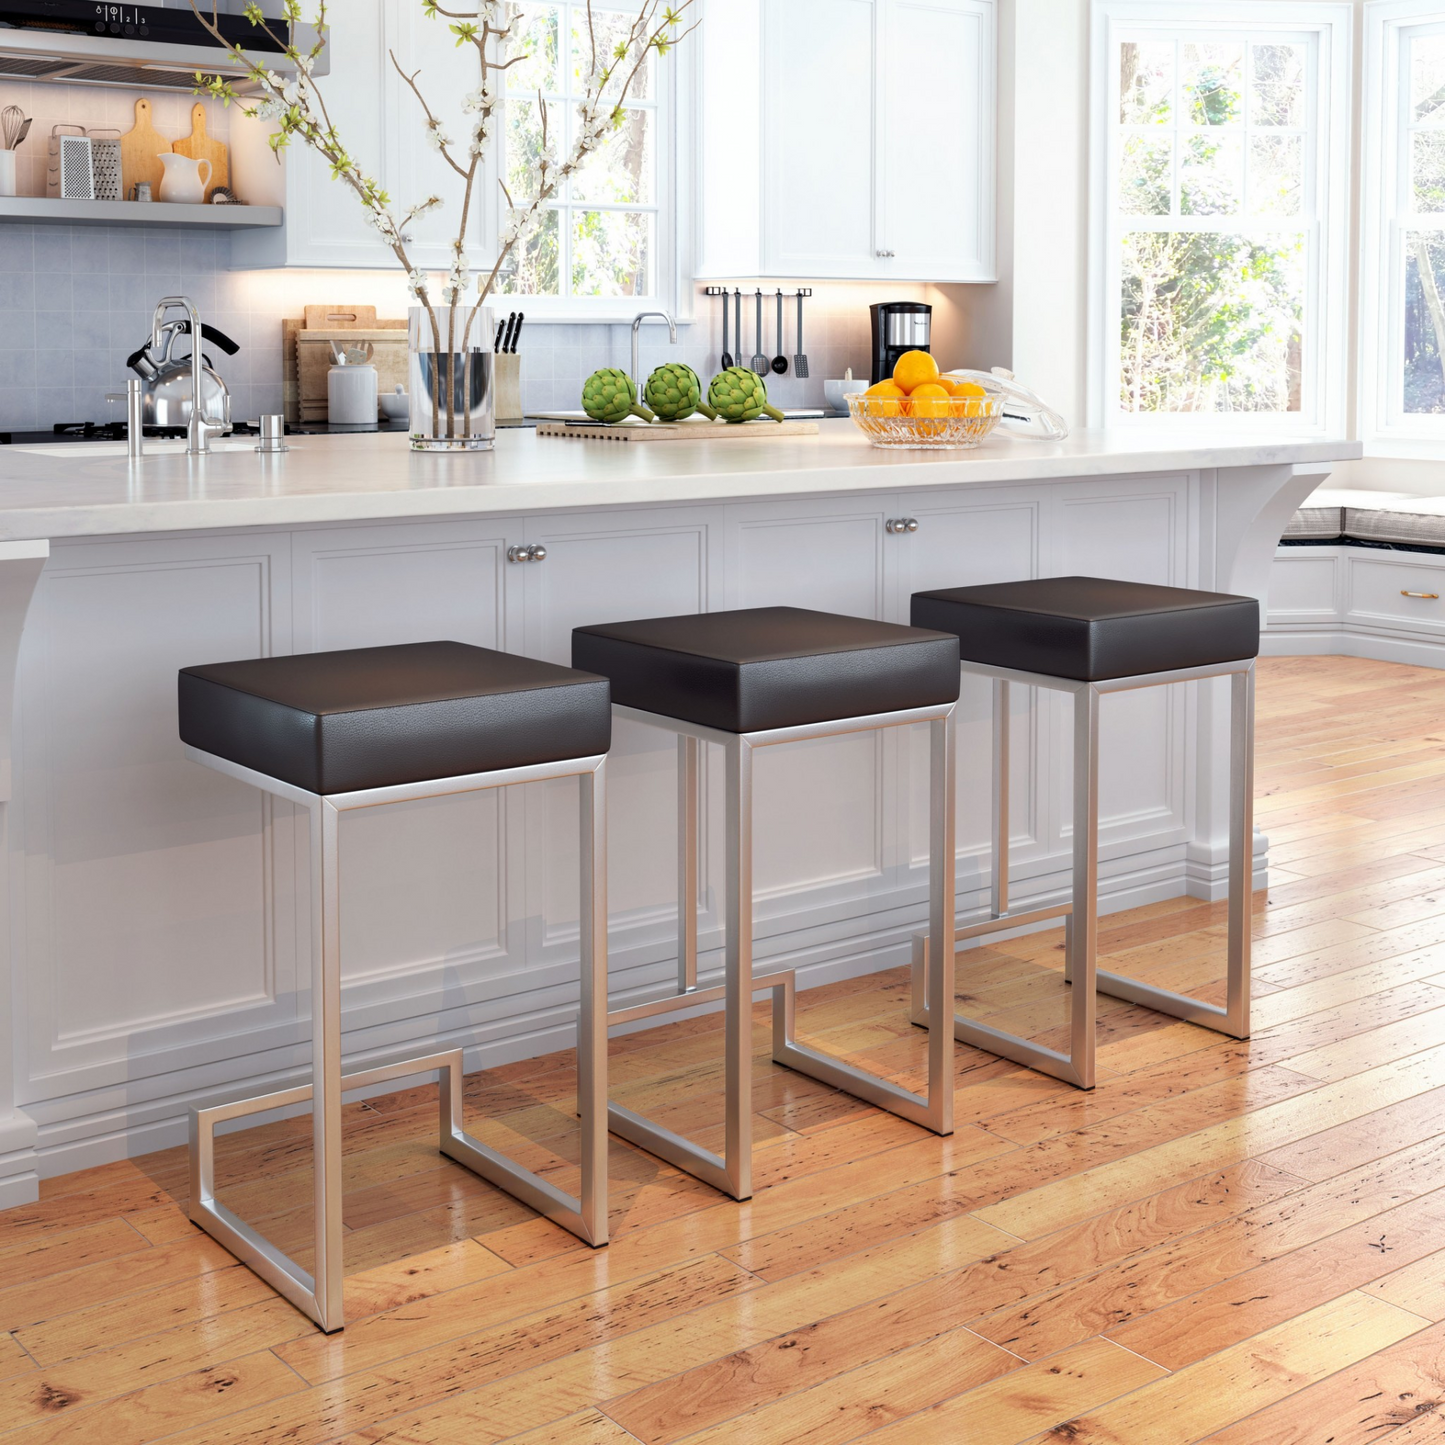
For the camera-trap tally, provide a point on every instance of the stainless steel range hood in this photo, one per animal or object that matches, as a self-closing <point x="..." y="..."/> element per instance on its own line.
<point x="47" y="40"/>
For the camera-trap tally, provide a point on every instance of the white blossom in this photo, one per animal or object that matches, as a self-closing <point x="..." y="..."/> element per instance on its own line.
<point x="480" y="99"/>
<point x="437" y="138"/>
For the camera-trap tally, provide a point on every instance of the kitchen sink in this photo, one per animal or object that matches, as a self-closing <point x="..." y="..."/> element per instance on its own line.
<point x="153" y="447"/>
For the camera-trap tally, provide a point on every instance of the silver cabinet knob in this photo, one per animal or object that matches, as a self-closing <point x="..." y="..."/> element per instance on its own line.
<point x="911" y="525"/>
<point x="536" y="552"/>
<point x="539" y="553"/>
<point x="898" y="525"/>
<point x="884" y="255"/>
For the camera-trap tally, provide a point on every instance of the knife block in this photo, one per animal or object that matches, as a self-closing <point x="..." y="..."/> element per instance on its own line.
<point x="507" y="381"/>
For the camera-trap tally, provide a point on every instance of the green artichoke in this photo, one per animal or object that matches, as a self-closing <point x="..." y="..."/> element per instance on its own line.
<point x="610" y="394"/>
<point x="674" y="392"/>
<point x="738" y="394"/>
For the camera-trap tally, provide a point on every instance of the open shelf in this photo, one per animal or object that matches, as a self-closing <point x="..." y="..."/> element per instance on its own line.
<point x="56" y="212"/>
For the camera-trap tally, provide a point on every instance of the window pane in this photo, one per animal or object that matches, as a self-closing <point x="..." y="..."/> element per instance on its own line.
<point x="1424" y="322"/>
<point x="609" y="28"/>
<point x="1427" y="171"/>
<point x="1145" y="175"/>
<point x="611" y="253"/>
<point x="524" y="143"/>
<point x="1146" y="83"/>
<point x="535" y="35"/>
<point x="1275" y="174"/>
<point x="1213" y="78"/>
<point x="1211" y="175"/>
<point x="1427" y="76"/>
<point x="1211" y="323"/>
<point x="1278" y="93"/>
<point x="620" y="170"/>
<point x="538" y="262"/>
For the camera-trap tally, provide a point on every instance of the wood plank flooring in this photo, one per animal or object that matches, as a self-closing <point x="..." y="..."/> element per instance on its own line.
<point x="1235" y="1242"/>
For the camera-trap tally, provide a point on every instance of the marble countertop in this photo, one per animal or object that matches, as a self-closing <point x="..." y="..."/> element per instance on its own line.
<point x="80" y="490"/>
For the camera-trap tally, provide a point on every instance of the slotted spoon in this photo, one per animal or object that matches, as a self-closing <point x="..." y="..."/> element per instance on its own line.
<point x="759" y="363"/>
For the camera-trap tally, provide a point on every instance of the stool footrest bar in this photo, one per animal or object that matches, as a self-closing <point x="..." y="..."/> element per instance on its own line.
<point x="679" y="1152"/>
<point x="1020" y="919"/>
<point x="282" y="1273"/>
<point x="1177" y="1005"/>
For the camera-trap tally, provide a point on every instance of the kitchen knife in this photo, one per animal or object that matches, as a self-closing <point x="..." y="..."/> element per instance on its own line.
<point x="497" y="344"/>
<point x="517" y="334"/>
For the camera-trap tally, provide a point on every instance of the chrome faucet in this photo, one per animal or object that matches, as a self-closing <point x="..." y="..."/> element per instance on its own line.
<point x="637" y="326"/>
<point x="198" y="430"/>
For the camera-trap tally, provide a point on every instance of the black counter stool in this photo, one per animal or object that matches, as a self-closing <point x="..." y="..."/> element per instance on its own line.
<point x="751" y="679"/>
<point x="1089" y="636"/>
<point x="334" y="731"/>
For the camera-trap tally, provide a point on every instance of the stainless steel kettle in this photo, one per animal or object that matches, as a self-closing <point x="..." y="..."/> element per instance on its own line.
<point x="166" y="398"/>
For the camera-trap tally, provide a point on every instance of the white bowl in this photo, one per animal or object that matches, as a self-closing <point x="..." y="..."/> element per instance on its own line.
<point x="395" y="405"/>
<point x="836" y="393"/>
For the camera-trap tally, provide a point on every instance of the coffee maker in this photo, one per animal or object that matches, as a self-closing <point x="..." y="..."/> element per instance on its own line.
<point x="898" y="326"/>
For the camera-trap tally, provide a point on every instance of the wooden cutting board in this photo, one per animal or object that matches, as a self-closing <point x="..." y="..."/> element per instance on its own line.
<point x="140" y="153"/>
<point x="680" y="431"/>
<point x="343" y="318"/>
<point x="200" y="147"/>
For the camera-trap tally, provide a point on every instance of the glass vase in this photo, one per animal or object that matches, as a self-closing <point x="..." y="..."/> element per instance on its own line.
<point x="453" y="401"/>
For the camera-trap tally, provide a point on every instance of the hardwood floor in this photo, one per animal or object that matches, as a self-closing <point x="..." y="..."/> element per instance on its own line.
<point x="1235" y="1242"/>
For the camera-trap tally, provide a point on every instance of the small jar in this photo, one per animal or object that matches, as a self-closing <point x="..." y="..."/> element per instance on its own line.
<point x="351" y="395"/>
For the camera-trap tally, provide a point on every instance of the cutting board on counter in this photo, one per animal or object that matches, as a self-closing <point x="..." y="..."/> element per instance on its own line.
<point x="200" y="147"/>
<point x="141" y="149"/>
<point x="306" y="353"/>
<point x="675" y="431"/>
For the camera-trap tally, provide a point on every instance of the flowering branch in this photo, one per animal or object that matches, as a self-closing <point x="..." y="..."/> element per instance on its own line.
<point x="296" y="107"/>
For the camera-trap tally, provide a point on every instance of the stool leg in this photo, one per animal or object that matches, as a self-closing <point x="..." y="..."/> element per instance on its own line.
<point x="738" y="1030"/>
<point x="687" y="785"/>
<point x="998" y="905"/>
<point x="1081" y="939"/>
<point x="592" y="1018"/>
<point x="1241" y="850"/>
<point x="326" y="1061"/>
<point x="942" y="869"/>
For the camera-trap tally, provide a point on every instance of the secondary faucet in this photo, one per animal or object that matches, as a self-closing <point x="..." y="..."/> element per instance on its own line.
<point x="637" y="326"/>
<point x="198" y="430"/>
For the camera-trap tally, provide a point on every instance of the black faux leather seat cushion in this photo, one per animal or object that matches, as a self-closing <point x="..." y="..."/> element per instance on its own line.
<point x="374" y="717"/>
<point x="1092" y="628"/>
<point x="769" y="667"/>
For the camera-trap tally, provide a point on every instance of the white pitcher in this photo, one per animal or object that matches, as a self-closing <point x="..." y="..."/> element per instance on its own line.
<point x="183" y="180"/>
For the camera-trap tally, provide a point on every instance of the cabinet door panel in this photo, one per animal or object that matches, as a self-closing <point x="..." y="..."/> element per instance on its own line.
<point x="424" y="885"/>
<point x="818" y="137"/>
<point x="325" y="223"/>
<point x="966" y="541"/>
<point x="152" y="936"/>
<point x="646" y="564"/>
<point x="937" y="63"/>
<point x="819" y="807"/>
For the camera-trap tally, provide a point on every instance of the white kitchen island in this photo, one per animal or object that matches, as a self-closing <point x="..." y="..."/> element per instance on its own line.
<point x="155" y="956"/>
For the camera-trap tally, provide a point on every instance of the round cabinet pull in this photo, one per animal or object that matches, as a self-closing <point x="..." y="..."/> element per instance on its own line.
<point x="884" y="255"/>
<point x="898" y="525"/>
<point x="1428" y="596"/>
<point x="539" y="553"/>
<point x="534" y="553"/>
<point x="910" y="524"/>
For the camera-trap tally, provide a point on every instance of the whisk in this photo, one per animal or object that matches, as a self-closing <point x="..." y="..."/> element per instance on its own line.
<point x="14" y="126"/>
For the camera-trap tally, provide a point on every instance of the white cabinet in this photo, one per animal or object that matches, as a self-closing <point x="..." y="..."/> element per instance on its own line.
<point x="851" y="139"/>
<point x="379" y="121"/>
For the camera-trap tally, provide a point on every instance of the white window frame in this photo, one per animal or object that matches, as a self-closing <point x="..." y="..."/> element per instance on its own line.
<point x="1328" y="27"/>
<point x="673" y="239"/>
<point x="1384" y="219"/>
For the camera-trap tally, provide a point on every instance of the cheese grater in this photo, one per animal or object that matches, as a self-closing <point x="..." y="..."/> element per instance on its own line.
<point x="105" y="164"/>
<point x="69" y="172"/>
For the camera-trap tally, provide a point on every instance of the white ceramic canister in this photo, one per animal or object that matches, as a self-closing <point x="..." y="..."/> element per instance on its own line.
<point x="351" y="395"/>
<point x="7" y="173"/>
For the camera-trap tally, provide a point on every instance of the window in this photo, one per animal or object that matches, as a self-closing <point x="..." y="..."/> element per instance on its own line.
<point x="1220" y="247"/>
<point x="1403" y="279"/>
<point x="605" y="236"/>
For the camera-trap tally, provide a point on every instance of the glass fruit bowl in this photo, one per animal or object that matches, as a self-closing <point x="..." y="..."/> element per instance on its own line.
<point x="963" y="421"/>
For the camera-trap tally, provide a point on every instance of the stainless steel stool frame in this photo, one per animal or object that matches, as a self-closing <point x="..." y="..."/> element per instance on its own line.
<point x="732" y="1171"/>
<point x="1081" y="912"/>
<point x="320" y="1296"/>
